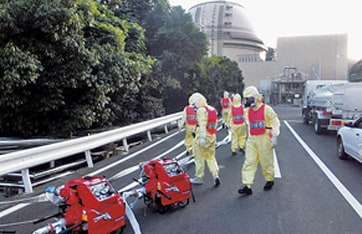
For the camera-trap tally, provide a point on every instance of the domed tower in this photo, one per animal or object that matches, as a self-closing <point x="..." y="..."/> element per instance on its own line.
<point x="228" y="30"/>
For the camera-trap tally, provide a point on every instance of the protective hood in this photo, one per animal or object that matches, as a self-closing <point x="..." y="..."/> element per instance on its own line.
<point x="198" y="100"/>
<point x="226" y="94"/>
<point x="237" y="100"/>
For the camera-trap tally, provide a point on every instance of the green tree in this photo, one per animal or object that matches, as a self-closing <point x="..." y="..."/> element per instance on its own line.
<point x="215" y="75"/>
<point x="151" y="15"/>
<point x="65" y="65"/>
<point x="178" y="46"/>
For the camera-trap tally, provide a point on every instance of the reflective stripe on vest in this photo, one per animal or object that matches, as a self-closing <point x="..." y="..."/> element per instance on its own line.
<point x="190" y="116"/>
<point x="225" y="103"/>
<point x="211" y="120"/>
<point x="237" y="114"/>
<point x="257" y="121"/>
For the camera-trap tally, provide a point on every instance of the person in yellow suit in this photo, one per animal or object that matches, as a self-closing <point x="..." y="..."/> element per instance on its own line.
<point x="189" y="121"/>
<point x="225" y="109"/>
<point x="263" y="126"/>
<point x="205" y="140"/>
<point x="237" y="125"/>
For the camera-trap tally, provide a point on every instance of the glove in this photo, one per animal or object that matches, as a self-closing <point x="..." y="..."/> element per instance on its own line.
<point x="180" y="125"/>
<point x="273" y="141"/>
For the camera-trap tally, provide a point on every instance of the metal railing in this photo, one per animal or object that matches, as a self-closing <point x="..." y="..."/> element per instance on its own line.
<point x="24" y="159"/>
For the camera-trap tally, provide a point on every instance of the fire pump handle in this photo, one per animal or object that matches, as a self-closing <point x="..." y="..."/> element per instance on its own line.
<point x="164" y="194"/>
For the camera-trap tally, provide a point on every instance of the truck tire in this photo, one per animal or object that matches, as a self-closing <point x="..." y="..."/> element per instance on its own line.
<point x="305" y="118"/>
<point x="317" y="126"/>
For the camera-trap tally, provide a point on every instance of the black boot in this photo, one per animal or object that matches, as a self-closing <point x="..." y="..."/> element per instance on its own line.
<point x="268" y="185"/>
<point x="245" y="191"/>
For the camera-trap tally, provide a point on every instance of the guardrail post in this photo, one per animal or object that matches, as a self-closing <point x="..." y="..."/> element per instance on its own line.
<point x="125" y="145"/>
<point x="149" y="135"/>
<point x="88" y="157"/>
<point x="26" y="180"/>
<point x="166" y="129"/>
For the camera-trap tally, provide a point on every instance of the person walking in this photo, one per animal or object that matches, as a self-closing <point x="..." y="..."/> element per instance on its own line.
<point x="263" y="125"/>
<point x="237" y="126"/>
<point x="189" y="122"/>
<point x="205" y="140"/>
<point x="225" y="109"/>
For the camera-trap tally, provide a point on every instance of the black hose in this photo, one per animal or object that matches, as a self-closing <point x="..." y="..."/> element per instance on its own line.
<point x="71" y="228"/>
<point x="46" y="217"/>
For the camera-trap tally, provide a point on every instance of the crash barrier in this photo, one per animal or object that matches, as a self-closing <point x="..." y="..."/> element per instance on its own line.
<point x="24" y="159"/>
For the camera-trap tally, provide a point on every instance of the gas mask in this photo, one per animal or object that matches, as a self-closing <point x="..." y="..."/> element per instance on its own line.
<point x="249" y="102"/>
<point x="195" y="107"/>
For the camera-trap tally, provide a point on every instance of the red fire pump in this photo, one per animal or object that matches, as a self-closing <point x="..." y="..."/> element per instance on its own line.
<point x="86" y="205"/>
<point x="166" y="186"/>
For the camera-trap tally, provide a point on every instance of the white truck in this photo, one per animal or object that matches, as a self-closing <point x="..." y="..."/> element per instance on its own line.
<point x="329" y="104"/>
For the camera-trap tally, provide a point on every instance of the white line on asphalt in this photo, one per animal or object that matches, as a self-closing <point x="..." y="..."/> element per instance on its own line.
<point x="277" y="173"/>
<point x="13" y="209"/>
<point x="341" y="188"/>
<point x="132" y="155"/>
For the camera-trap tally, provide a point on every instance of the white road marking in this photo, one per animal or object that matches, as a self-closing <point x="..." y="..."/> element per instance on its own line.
<point x="277" y="173"/>
<point x="340" y="187"/>
<point x="13" y="209"/>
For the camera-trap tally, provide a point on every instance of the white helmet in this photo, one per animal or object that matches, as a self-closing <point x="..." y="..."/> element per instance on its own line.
<point x="237" y="99"/>
<point x="197" y="100"/>
<point x="251" y="91"/>
<point x="226" y="94"/>
<point x="251" y="95"/>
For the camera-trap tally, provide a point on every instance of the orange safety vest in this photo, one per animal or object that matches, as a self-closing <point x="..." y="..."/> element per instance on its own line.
<point x="190" y="116"/>
<point x="237" y="114"/>
<point x="211" y="120"/>
<point x="257" y="121"/>
<point x="225" y="103"/>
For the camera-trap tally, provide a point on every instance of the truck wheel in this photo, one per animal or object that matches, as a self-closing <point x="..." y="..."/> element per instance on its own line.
<point x="340" y="150"/>
<point x="305" y="118"/>
<point x="317" y="126"/>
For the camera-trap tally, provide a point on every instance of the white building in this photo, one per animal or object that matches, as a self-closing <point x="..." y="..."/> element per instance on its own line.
<point x="231" y="34"/>
<point x="229" y="31"/>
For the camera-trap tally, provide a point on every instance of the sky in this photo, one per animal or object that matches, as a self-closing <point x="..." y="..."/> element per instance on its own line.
<point x="282" y="18"/>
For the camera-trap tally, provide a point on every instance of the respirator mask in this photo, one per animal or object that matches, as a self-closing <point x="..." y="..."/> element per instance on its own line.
<point x="195" y="107"/>
<point x="249" y="102"/>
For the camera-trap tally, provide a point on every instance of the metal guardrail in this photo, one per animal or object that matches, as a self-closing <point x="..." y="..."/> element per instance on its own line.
<point x="24" y="159"/>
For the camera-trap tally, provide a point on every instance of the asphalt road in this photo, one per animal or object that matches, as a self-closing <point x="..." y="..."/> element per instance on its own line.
<point x="315" y="192"/>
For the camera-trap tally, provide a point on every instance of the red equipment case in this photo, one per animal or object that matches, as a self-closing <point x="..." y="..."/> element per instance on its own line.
<point x="167" y="185"/>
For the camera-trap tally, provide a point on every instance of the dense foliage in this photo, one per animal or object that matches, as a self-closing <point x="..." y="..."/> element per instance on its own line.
<point x="71" y="65"/>
<point x="64" y="67"/>
<point x="214" y="76"/>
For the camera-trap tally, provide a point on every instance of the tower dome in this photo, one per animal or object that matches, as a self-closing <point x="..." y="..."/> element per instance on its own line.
<point x="229" y="31"/>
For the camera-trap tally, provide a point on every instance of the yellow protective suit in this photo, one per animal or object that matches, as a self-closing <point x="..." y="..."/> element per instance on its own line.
<point x="204" y="142"/>
<point x="238" y="130"/>
<point x="189" y="129"/>
<point x="225" y="112"/>
<point x="259" y="148"/>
